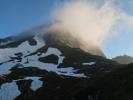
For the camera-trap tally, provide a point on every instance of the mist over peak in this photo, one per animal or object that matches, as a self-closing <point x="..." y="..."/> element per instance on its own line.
<point x="85" y="23"/>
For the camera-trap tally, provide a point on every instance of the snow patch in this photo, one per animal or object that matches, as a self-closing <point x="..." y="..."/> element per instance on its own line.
<point x="9" y="91"/>
<point x="69" y="71"/>
<point x="36" y="83"/>
<point x="5" y="68"/>
<point x="89" y="63"/>
<point x="56" y="52"/>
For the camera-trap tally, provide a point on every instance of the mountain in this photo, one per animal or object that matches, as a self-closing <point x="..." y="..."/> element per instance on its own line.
<point x="42" y="67"/>
<point x="70" y="40"/>
<point x="6" y="40"/>
<point x="116" y="85"/>
<point x="123" y="59"/>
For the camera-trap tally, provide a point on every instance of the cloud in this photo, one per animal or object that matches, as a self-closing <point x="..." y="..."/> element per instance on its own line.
<point x="87" y="23"/>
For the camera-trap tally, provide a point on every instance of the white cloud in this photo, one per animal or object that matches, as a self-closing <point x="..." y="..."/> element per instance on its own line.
<point x="87" y="22"/>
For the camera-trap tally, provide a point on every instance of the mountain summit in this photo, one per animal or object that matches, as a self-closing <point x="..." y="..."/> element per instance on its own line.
<point x="43" y="67"/>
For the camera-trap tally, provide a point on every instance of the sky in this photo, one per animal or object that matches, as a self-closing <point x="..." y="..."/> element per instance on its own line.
<point x="17" y="16"/>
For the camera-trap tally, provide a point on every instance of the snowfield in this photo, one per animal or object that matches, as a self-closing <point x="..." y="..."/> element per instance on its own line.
<point x="26" y="49"/>
<point x="9" y="91"/>
<point x="5" y="68"/>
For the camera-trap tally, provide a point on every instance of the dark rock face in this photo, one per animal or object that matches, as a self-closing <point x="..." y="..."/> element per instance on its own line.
<point x="32" y="42"/>
<point x="50" y="59"/>
<point x="24" y="87"/>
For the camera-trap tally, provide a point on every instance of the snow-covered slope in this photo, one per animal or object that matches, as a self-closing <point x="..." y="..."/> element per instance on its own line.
<point x="21" y="55"/>
<point x="33" y="65"/>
